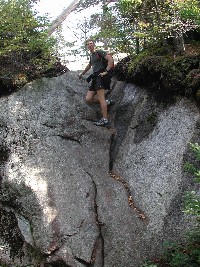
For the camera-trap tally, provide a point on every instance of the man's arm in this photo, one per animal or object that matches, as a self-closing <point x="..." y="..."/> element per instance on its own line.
<point x="85" y="70"/>
<point x="110" y="62"/>
<point x="109" y="66"/>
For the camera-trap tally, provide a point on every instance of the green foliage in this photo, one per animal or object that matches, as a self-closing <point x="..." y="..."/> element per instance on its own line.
<point x="196" y="149"/>
<point x="149" y="265"/>
<point x="166" y="75"/>
<point x="190" y="10"/>
<point x="183" y="255"/>
<point x="191" y="167"/>
<point x="192" y="204"/>
<point x="131" y="25"/>
<point x="192" y="199"/>
<point x="20" y="30"/>
<point x="161" y="18"/>
<point x="136" y="59"/>
<point x="25" y="47"/>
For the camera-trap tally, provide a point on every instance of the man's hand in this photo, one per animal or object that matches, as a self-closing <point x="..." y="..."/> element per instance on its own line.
<point x="103" y="73"/>
<point x="80" y="76"/>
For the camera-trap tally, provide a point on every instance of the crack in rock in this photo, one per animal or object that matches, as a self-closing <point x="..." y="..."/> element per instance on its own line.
<point x="99" y="244"/>
<point x="140" y="213"/>
<point x="66" y="236"/>
<point x="83" y="262"/>
<point x="69" y="137"/>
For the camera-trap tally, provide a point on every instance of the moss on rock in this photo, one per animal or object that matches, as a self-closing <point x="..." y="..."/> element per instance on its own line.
<point x="162" y="74"/>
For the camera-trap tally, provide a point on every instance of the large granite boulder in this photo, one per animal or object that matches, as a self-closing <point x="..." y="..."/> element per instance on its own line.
<point x="73" y="194"/>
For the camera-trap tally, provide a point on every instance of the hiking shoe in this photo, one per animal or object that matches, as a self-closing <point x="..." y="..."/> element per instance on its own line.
<point x="103" y="122"/>
<point x="110" y="102"/>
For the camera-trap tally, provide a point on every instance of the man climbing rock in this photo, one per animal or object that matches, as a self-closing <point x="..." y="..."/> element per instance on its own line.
<point x="100" y="77"/>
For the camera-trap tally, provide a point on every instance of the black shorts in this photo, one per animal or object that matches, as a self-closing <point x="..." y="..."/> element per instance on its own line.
<point x="100" y="83"/>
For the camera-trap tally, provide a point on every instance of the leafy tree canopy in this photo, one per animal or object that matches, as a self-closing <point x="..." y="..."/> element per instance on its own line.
<point x="132" y="23"/>
<point x="20" y="28"/>
<point x="25" y="47"/>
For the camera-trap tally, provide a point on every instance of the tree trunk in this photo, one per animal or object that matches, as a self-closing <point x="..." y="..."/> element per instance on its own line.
<point x="73" y="6"/>
<point x="179" y="44"/>
<point x="137" y="46"/>
<point x="58" y="21"/>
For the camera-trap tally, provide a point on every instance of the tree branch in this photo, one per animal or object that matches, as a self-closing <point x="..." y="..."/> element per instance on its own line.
<point x="58" y="21"/>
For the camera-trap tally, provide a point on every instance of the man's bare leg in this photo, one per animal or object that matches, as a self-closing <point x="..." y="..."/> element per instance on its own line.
<point x="91" y="98"/>
<point x="103" y="104"/>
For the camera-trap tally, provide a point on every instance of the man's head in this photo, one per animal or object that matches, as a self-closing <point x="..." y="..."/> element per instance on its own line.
<point x="90" y="45"/>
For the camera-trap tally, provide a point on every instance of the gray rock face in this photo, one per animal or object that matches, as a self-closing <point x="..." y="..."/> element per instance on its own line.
<point x="59" y="206"/>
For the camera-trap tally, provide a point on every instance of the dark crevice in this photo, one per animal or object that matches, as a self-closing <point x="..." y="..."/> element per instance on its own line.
<point x="49" y="126"/>
<point x="83" y="261"/>
<point x="64" y="135"/>
<point x="68" y="235"/>
<point x="98" y="250"/>
<point x="122" y="123"/>
<point x="69" y="137"/>
<point x="58" y="263"/>
<point x="10" y="232"/>
<point x="112" y="145"/>
<point x="53" y="250"/>
<point x="4" y="154"/>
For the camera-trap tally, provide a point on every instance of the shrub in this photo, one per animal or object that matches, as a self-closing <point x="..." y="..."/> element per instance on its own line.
<point x="26" y="50"/>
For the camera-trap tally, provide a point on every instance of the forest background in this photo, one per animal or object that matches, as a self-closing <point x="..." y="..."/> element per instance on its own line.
<point x="32" y="45"/>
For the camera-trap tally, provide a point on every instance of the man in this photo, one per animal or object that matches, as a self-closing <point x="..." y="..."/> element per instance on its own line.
<point x="98" y="84"/>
